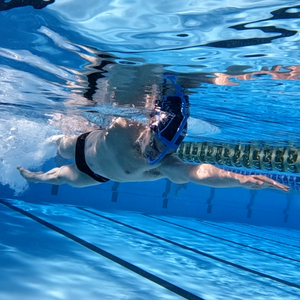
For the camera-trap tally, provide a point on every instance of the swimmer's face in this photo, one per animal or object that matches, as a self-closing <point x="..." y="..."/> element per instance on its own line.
<point x="153" y="146"/>
<point x="150" y="148"/>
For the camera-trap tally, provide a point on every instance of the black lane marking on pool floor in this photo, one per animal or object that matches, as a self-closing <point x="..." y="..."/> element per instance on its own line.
<point x="196" y="251"/>
<point x="246" y="233"/>
<point x="163" y="283"/>
<point x="222" y="239"/>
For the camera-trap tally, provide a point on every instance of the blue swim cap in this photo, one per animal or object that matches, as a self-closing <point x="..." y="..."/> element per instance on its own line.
<point x="170" y="121"/>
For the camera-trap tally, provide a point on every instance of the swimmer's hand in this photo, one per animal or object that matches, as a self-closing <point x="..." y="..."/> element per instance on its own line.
<point x="260" y="182"/>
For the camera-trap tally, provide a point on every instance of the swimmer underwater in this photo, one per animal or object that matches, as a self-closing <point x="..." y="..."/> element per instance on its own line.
<point x="130" y="151"/>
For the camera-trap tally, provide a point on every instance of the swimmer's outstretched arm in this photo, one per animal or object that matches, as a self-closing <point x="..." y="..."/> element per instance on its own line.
<point x="209" y="175"/>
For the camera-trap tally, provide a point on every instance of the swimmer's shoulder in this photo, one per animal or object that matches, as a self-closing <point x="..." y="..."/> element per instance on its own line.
<point x="170" y="160"/>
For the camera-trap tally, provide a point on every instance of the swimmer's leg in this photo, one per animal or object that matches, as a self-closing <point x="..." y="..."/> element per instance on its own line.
<point x="66" y="145"/>
<point x="64" y="175"/>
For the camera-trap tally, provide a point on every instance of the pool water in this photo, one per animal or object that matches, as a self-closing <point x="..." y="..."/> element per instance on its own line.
<point x="82" y="253"/>
<point x="73" y="66"/>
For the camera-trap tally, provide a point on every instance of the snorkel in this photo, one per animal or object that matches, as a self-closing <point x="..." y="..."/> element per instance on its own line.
<point x="172" y="144"/>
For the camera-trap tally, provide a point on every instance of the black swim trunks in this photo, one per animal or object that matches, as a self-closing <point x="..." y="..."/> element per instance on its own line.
<point x="81" y="162"/>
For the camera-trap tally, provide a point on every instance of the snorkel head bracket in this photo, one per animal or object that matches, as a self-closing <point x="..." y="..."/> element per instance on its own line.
<point x="170" y="121"/>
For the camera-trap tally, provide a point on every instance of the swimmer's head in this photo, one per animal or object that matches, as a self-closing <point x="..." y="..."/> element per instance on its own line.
<point x="168" y="125"/>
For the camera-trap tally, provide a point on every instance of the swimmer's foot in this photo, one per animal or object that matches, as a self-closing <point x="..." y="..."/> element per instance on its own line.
<point x="55" y="139"/>
<point x="29" y="176"/>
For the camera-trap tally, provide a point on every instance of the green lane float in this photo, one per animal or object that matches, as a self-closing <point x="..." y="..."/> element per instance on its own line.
<point x="250" y="156"/>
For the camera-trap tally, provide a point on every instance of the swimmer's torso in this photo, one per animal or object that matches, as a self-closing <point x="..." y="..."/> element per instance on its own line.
<point x="114" y="153"/>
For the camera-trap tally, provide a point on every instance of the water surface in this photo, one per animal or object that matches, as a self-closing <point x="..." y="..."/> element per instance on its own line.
<point x="71" y="63"/>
